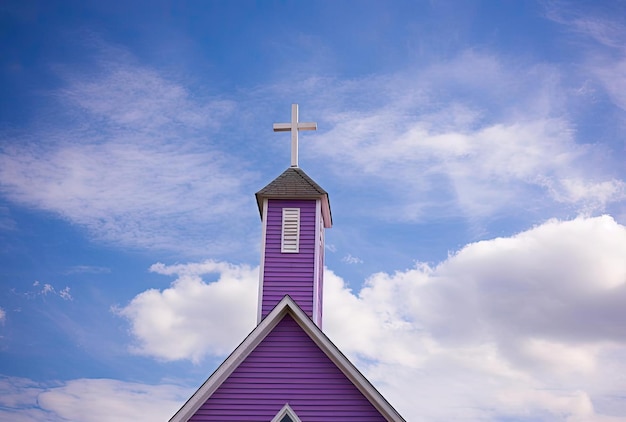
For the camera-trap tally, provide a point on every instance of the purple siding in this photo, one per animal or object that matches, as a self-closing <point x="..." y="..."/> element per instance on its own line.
<point x="289" y="273"/>
<point x="287" y="367"/>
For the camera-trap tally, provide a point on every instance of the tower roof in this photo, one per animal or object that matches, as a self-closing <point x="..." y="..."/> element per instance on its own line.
<point x="294" y="183"/>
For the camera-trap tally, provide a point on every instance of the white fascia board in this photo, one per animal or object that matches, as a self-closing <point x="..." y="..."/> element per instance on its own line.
<point x="231" y="363"/>
<point x="344" y="364"/>
<point x="317" y="255"/>
<point x="328" y="220"/>
<point x="262" y="266"/>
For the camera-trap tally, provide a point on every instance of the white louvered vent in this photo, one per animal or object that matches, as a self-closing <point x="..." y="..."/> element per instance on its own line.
<point x="290" y="240"/>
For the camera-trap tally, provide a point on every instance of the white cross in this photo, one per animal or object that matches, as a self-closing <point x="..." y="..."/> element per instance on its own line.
<point x="294" y="127"/>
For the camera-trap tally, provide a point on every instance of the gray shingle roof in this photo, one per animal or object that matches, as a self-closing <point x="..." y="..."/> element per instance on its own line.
<point x="293" y="183"/>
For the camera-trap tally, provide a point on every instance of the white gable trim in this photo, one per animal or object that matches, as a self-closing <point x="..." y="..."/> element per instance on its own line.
<point x="286" y="307"/>
<point x="286" y="410"/>
<point x="328" y="220"/>
<point x="318" y="255"/>
<point x="262" y="266"/>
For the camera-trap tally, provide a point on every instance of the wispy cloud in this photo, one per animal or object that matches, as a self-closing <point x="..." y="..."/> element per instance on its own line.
<point x="437" y="151"/>
<point x="131" y="158"/>
<point x="46" y="289"/>
<point x="6" y="221"/>
<point x="602" y="24"/>
<point x="597" y="25"/>
<point x="137" y="160"/>
<point x="65" y="294"/>
<point x="87" y="269"/>
<point x="89" y="400"/>
<point x="349" y="259"/>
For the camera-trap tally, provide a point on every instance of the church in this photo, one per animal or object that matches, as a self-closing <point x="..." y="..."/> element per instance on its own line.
<point x="286" y="369"/>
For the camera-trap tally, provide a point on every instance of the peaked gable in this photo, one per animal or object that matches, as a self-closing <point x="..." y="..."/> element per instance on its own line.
<point x="287" y="359"/>
<point x="286" y="414"/>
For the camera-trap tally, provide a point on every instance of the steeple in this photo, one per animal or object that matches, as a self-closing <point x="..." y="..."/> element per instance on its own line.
<point x="295" y="211"/>
<point x="286" y="369"/>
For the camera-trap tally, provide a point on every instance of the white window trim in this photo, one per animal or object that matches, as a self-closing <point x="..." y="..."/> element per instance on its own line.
<point x="290" y="232"/>
<point x="286" y="410"/>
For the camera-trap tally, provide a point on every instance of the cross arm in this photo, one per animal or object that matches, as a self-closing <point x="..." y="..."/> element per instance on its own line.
<point x="307" y="126"/>
<point x="282" y="127"/>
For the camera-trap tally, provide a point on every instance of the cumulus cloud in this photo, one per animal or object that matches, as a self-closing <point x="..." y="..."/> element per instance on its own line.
<point x="193" y="317"/>
<point x="88" y="400"/>
<point x="3" y="316"/>
<point x="528" y="326"/>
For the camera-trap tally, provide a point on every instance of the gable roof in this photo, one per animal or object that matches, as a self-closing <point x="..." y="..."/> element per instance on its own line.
<point x="286" y="307"/>
<point x="294" y="183"/>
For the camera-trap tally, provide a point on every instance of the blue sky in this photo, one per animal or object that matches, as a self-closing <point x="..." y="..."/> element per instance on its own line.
<point x="473" y="152"/>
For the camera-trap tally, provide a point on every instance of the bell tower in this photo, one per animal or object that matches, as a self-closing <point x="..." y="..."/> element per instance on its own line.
<point x="294" y="212"/>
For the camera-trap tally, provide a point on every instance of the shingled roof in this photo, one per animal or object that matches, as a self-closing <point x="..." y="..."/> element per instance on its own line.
<point x="294" y="183"/>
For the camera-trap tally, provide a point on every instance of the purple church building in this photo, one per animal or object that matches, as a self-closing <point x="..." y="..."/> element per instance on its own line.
<point x="287" y="370"/>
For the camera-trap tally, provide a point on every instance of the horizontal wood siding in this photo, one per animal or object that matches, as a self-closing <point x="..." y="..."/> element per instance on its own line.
<point x="287" y="367"/>
<point x="289" y="273"/>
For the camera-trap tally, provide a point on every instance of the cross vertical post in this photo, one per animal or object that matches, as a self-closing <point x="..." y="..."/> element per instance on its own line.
<point x="294" y="127"/>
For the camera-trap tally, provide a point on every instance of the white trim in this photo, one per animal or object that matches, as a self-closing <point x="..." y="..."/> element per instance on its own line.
<point x="286" y="306"/>
<point x="228" y="366"/>
<point x="286" y="410"/>
<point x="290" y="231"/>
<point x="328" y="219"/>
<point x="262" y="266"/>
<point x="316" y="264"/>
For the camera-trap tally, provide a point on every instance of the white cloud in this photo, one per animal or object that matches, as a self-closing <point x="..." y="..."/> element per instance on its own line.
<point x="136" y="162"/>
<point x="194" y="318"/>
<point x="602" y="26"/>
<point x="88" y="400"/>
<point x="142" y="159"/>
<point x="3" y="316"/>
<point x="47" y="288"/>
<point x="87" y="269"/>
<point x="448" y="140"/>
<point x="65" y="293"/>
<point x="349" y="259"/>
<point x="18" y="400"/>
<point x="530" y="326"/>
